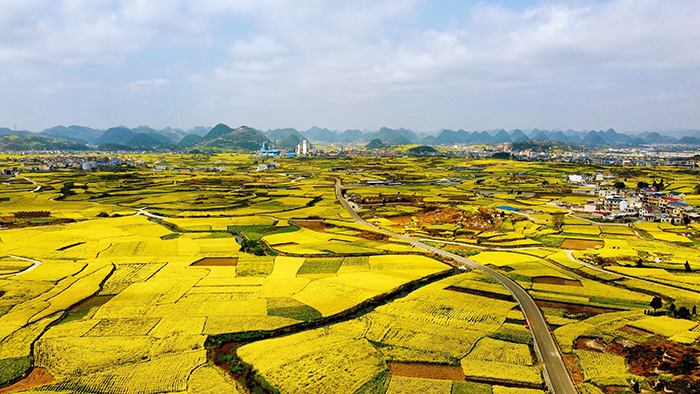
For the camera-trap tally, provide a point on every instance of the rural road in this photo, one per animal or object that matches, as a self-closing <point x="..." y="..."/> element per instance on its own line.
<point x="555" y="371"/>
<point x="35" y="263"/>
<point x="570" y="214"/>
<point x="144" y="212"/>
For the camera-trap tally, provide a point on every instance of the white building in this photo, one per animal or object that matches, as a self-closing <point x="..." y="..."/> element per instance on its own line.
<point x="576" y="178"/>
<point x="304" y="148"/>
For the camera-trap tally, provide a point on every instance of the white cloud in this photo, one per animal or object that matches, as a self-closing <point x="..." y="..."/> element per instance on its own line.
<point x="157" y="83"/>
<point x="302" y="56"/>
<point x="257" y="47"/>
<point x="495" y="47"/>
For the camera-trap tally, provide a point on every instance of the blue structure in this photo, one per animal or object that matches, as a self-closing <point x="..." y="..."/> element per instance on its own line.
<point x="268" y="152"/>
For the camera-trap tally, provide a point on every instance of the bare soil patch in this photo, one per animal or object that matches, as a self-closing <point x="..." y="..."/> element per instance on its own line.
<point x="216" y="262"/>
<point x="574" y="368"/>
<point x="461" y="198"/>
<point x="663" y="357"/>
<point x="483" y="219"/>
<point x="580" y="244"/>
<point x="373" y="236"/>
<point x="551" y="280"/>
<point x="426" y="371"/>
<point x="401" y="219"/>
<point x="388" y="199"/>
<point x="648" y="359"/>
<point x="315" y="225"/>
<point x="575" y="308"/>
<point x="590" y="344"/>
<point x="633" y="331"/>
<point x="37" y="377"/>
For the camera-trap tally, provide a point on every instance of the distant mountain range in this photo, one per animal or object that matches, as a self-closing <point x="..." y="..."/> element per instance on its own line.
<point x="246" y="138"/>
<point x="491" y="137"/>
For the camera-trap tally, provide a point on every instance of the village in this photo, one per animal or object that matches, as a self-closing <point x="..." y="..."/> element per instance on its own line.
<point x="616" y="201"/>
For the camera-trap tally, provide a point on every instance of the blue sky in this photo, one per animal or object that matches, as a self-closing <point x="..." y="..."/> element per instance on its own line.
<point x="627" y="64"/>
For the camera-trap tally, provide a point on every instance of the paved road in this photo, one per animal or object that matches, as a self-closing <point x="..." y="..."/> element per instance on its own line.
<point x="555" y="371"/>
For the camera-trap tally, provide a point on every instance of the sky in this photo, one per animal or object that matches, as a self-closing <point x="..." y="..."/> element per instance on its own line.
<point x="631" y="65"/>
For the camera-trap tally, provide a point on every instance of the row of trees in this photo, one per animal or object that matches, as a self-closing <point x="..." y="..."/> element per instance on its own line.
<point x="642" y="185"/>
<point x="681" y="313"/>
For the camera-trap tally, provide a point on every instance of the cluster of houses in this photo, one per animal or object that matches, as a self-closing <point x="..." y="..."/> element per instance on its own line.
<point x="76" y="163"/>
<point x="614" y="157"/>
<point x="647" y="204"/>
<point x="91" y="163"/>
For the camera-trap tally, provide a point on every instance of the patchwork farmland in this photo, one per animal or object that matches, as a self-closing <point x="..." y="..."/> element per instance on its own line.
<point x="140" y="281"/>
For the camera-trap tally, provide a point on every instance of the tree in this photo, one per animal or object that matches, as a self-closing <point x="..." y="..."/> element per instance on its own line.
<point x="558" y="220"/>
<point x="672" y="307"/>
<point x="695" y="310"/>
<point x="656" y="303"/>
<point x="620" y="185"/>
<point x="687" y="267"/>
<point x="642" y="185"/>
<point x="636" y="388"/>
<point x="683" y="313"/>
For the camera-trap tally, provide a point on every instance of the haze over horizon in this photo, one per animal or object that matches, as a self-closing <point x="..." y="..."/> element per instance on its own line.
<point x="423" y="65"/>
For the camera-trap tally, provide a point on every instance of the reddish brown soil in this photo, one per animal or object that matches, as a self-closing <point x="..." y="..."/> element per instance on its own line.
<point x="248" y="382"/>
<point x="315" y="225"/>
<point x="580" y="244"/>
<point x="461" y="198"/>
<point x="648" y="359"/>
<point x="373" y="236"/>
<point x="217" y="262"/>
<point x="614" y="389"/>
<point x="426" y="371"/>
<point x="591" y="344"/>
<point x="484" y="219"/>
<point x="440" y="215"/>
<point x="682" y="385"/>
<point x="633" y="331"/>
<point x="574" y="308"/>
<point x="401" y="219"/>
<point x="574" y="368"/>
<point x="551" y="280"/>
<point x="663" y="356"/>
<point x="37" y="377"/>
<point x="388" y="199"/>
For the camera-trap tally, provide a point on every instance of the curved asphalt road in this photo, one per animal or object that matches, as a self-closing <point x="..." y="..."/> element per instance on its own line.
<point x="555" y="371"/>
